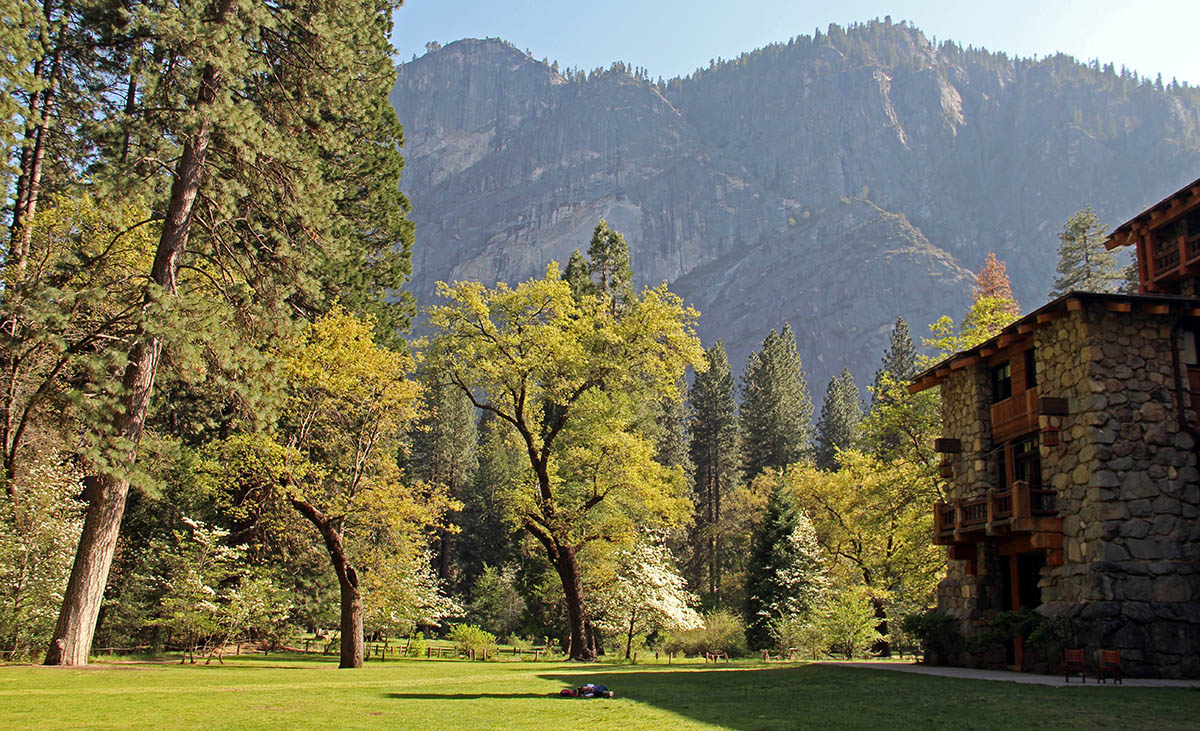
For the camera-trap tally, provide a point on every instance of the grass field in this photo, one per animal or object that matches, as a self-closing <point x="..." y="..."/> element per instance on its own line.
<point x="307" y="692"/>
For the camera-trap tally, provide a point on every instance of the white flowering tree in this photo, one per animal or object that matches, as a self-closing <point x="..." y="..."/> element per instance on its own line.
<point x="402" y="591"/>
<point x="209" y="597"/>
<point x="646" y="594"/>
<point x="38" y="534"/>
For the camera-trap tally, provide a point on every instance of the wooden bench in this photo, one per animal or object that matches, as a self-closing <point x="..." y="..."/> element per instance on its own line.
<point x="715" y="656"/>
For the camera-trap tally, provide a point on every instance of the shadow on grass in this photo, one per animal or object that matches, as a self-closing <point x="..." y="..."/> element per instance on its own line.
<point x="813" y="696"/>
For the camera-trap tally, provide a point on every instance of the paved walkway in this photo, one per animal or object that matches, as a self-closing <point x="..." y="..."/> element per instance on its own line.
<point x="1027" y="678"/>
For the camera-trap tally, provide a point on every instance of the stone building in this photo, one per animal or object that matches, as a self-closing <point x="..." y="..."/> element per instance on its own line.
<point x="1069" y="447"/>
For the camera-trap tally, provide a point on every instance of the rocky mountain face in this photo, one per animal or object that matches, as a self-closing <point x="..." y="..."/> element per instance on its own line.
<point x="833" y="182"/>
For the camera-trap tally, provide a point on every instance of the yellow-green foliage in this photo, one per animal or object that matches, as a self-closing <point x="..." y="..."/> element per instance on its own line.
<point x="872" y="516"/>
<point x="534" y="353"/>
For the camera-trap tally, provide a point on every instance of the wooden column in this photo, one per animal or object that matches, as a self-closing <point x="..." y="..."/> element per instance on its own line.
<point x="1014" y="577"/>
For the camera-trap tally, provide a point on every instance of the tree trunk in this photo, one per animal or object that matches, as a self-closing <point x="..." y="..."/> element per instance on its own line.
<point x="629" y="634"/>
<point x="106" y="493"/>
<point x="883" y="648"/>
<point x="351" y="593"/>
<point x="352" y="619"/>
<point x="567" y="566"/>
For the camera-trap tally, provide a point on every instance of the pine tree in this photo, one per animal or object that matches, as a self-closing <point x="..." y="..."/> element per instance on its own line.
<point x="671" y="439"/>
<point x="1083" y="262"/>
<point x="840" y="414"/>
<point x="576" y="274"/>
<point x="786" y="575"/>
<point x="992" y="283"/>
<point x="776" y="411"/>
<point x="899" y="363"/>
<point x="444" y="454"/>
<point x="609" y="265"/>
<point x="715" y="453"/>
<point x="284" y="170"/>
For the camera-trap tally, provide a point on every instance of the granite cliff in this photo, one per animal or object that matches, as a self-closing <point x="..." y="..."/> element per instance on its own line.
<point x="834" y="181"/>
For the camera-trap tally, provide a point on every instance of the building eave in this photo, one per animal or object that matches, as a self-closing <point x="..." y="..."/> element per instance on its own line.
<point x="1157" y="304"/>
<point x="1167" y="208"/>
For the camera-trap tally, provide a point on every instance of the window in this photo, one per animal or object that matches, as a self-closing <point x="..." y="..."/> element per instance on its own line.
<point x="1027" y="461"/>
<point x="1190" y="355"/>
<point x="1001" y="382"/>
<point x="1030" y="370"/>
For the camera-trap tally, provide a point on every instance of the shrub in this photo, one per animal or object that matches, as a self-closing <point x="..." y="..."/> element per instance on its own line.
<point x="849" y="624"/>
<point x="800" y="631"/>
<point x="469" y="638"/>
<point x="938" y="634"/>
<point x="723" y="631"/>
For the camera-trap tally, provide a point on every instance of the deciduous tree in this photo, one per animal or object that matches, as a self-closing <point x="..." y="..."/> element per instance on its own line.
<point x="564" y="373"/>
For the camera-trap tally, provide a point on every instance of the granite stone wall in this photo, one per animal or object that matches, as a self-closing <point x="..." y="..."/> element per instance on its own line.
<point x="1128" y="490"/>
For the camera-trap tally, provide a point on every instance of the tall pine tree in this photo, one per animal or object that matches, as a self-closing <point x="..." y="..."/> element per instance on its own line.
<point x="840" y="414"/>
<point x="715" y="453"/>
<point x="786" y="575"/>
<point x="899" y="362"/>
<point x="264" y="143"/>
<point x="445" y="454"/>
<point x="1083" y="263"/>
<point x="776" y="413"/>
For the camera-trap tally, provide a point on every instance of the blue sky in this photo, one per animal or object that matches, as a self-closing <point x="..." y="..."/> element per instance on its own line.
<point x="674" y="37"/>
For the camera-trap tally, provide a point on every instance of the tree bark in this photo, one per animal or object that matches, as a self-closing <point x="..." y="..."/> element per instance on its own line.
<point x="351" y="592"/>
<point x="106" y="493"/>
<point x="567" y="565"/>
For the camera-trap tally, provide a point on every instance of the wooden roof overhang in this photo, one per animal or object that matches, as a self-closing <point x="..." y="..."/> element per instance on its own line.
<point x="1023" y="328"/>
<point x="1168" y="208"/>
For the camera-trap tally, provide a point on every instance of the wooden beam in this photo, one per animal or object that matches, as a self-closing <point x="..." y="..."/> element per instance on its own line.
<point x="961" y="363"/>
<point x="986" y="351"/>
<point x="1052" y="406"/>
<point x="1119" y="307"/>
<point x="1026" y="327"/>
<point x="1156" y="309"/>
<point x="1007" y="339"/>
<point x="1194" y="312"/>
<point x="942" y="372"/>
<point x="946" y="445"/>
<point x="1046" y="317"/>
<point x="1075" y="305"/>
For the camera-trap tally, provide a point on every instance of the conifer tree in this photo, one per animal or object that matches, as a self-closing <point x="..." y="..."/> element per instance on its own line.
<point x="776" y="411"/>
<point x="992" y="283"/>
<point x="1083" y="262"/>
<point x="609" y="265"/>
<point x="671" y="440"/>
<point x="261" y="117"/>
<point x="444" y="454"/>
<point x="715" y="453"/>
<point x="899" y="363"/>
<point x="840" y="414"/>
<point x="786" y="575"/>
<point x="576" y="274"/>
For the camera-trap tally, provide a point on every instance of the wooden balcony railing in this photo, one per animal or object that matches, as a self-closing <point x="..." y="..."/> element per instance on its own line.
<point x="1015" y="415"/>
<point x="1018" y="509"/>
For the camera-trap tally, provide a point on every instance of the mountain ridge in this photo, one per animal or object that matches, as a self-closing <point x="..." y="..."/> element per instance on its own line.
<point x="511" y="163"/>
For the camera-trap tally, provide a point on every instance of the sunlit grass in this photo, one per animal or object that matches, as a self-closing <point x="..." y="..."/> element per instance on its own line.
<point x="297" y="691"/>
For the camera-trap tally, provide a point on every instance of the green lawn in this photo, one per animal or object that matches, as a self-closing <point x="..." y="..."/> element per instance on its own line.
<point x="299" y="692"/>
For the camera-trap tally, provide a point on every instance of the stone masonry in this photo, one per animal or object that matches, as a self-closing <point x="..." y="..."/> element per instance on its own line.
<point x="1128" y="488"/>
